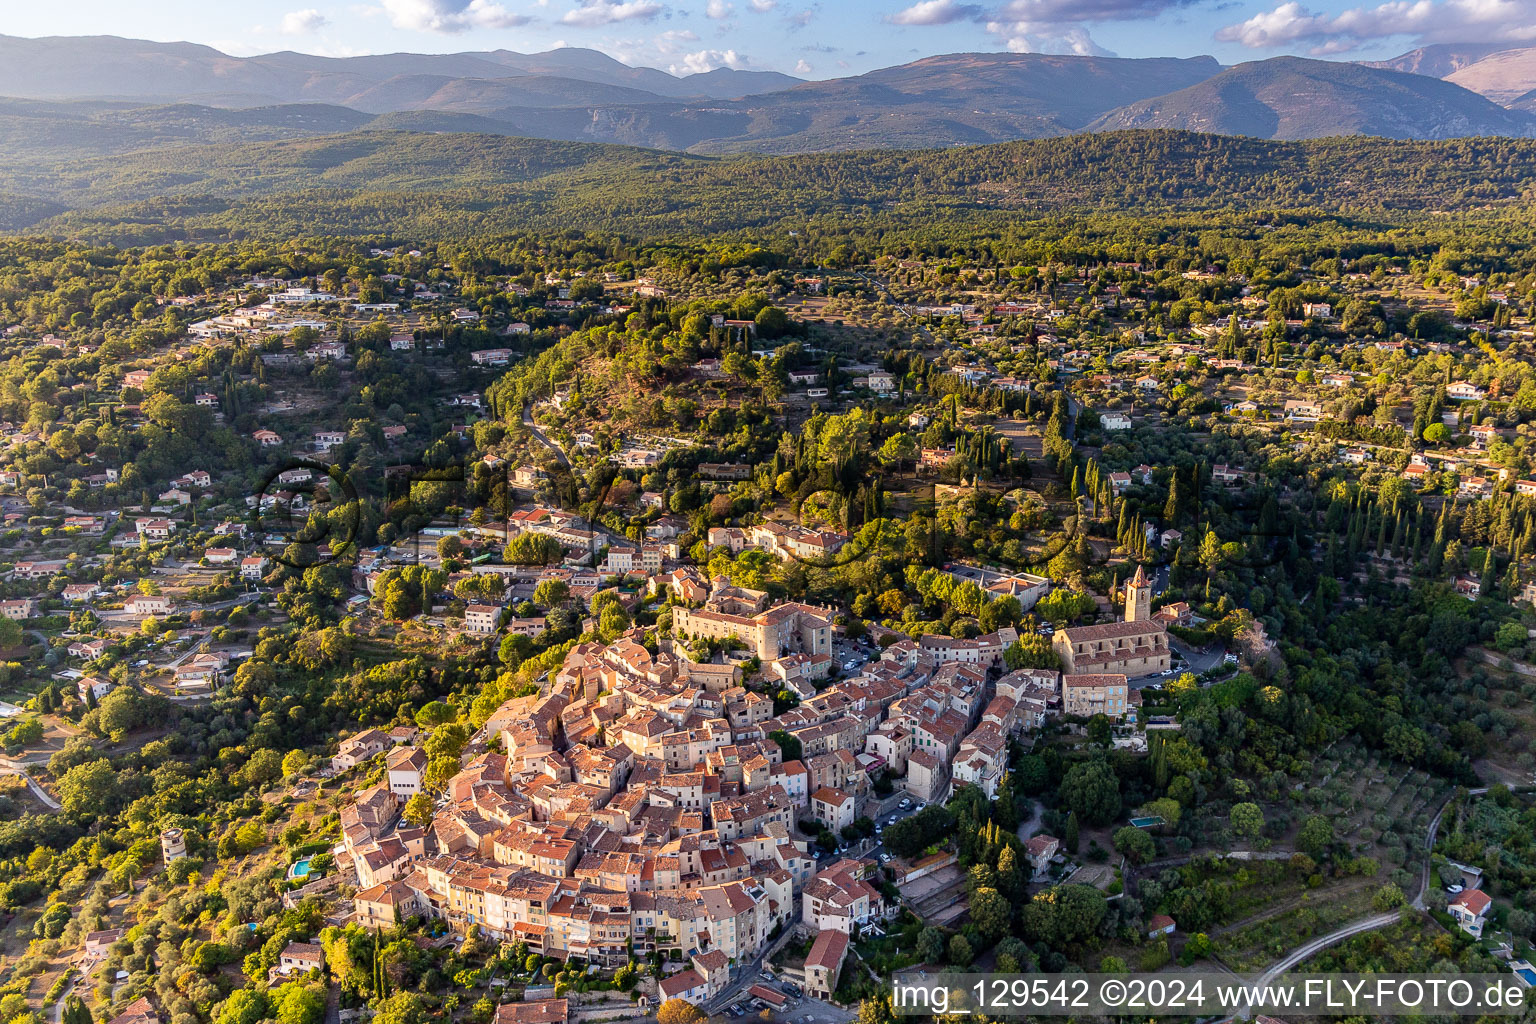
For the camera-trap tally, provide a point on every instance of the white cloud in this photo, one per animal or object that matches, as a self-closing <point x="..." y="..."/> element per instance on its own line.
<point x="1078" y="41"/>
<point x="1427" y="21"/>
<point x="669" y="42"/>
<point x="606" y="12"/>
<point x="1042" y="26"/>
<point x="934" y="12"/>
<point x="802" y="67"/>
<point x="708" y="60"/>
<point x="763" y="6"/>
<point x="450" y="15"/>
<point x="718" y="9"/>
<point x="1058" y="12"/>
<point x="298" y="23"/>
<point x="1035" y="37"/>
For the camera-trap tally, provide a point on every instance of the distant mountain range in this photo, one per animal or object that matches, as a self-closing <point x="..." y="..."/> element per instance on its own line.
<point x="74" y="97"/>
<point x="1293" y="98"/>
<point x="108" y="67"/>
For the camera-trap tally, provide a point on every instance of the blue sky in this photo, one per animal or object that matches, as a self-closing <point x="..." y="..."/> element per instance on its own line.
<point x="810" y="38"/>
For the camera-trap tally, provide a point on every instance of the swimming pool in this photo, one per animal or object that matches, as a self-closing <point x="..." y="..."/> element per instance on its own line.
<point x="1148" y="822"/>
<point x="1527" y="975"/>
<point x="300" y="869"/>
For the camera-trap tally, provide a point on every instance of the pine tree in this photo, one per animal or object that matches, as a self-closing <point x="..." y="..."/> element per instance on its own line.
<point x="1070" y="839"/>
<point x="1171" y="508"/>
<point x="1160" y="763"/>
<point x="75" y="1011"/>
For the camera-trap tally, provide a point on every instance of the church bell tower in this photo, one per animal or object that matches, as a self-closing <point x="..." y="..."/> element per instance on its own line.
<point x="1138" y="598"/>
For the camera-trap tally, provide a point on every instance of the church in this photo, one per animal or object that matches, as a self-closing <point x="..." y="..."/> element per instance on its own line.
<point x="1137" y="646"/>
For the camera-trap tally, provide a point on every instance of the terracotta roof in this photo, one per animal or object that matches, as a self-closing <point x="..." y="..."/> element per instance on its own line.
<point x="1474" y="901"/>
<point x="1112" y="631"/>
<point x="1037" y="845"/>
<point x="1093" y="681"/>
<point x="671" y="987"/>
<point x="539" y="1011"/>
<point x="828" y="950"/>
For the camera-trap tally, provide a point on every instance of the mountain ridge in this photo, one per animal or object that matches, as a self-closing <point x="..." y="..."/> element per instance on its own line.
<point x="96" y="67"/>
<point x="1290" y="98"/>
<point x="180" y="93"/>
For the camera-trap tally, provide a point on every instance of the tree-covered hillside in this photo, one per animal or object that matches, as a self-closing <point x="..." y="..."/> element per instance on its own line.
<point x="462" y="185"/>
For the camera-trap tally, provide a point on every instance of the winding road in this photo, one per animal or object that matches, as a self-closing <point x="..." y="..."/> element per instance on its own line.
<point x="1367" y="924"/>
<point x="542" y="438"/>
<point x="19" y="769"/>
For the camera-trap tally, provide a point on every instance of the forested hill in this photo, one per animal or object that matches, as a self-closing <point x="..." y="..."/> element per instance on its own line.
<point x="445" y="185"/>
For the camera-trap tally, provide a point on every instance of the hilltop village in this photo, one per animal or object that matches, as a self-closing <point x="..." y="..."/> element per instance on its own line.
<point x="575" y="634"/>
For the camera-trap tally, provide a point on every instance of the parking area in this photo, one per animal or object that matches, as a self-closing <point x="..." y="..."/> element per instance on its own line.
<point x="785" y="1002"/>
<point x="1195" y="660"/>
<point x="852" y="655"/>
<point x="872" y="848"/>
<point x="796" y="1008"/>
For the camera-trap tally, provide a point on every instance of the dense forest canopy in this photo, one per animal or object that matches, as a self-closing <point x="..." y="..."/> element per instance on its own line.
<point x="467" y="185"/>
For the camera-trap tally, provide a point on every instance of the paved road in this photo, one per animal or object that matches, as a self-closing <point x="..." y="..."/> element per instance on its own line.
<point x="9" y="767"/>
<point x="58" y="1007"/>
<point x="747" y="975"/>
<point x="1199" y="661"/>
<point x="542" y="438"/>
<point x="1373" y="922"/>
<point x="1316" y="946"/>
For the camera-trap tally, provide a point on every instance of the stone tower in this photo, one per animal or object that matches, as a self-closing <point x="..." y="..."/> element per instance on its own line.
<point x="1138" y="598"/>
<point x="173" y="844"/>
